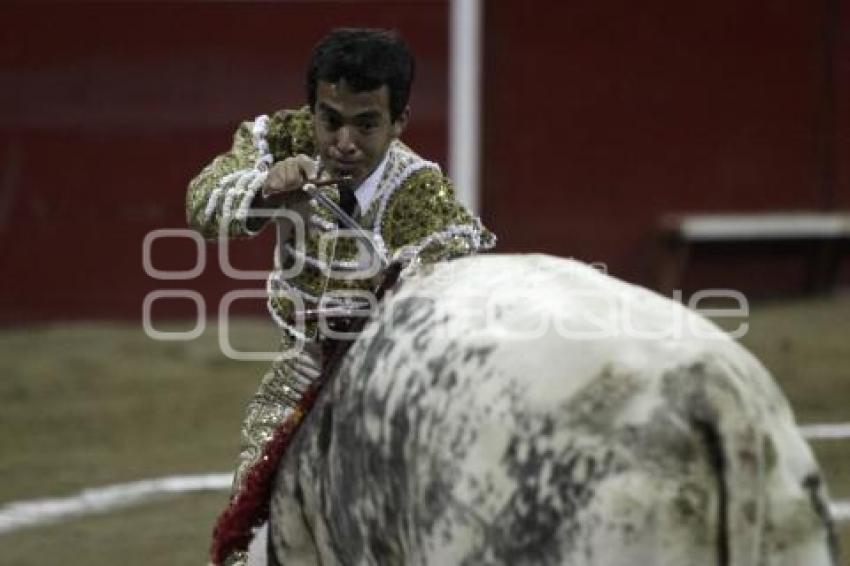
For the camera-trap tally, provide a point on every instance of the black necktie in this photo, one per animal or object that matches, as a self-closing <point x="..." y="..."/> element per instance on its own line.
<point x="347" y="200"/>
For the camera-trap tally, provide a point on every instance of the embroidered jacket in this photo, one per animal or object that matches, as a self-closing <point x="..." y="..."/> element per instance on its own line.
<point x="413" y="214"/>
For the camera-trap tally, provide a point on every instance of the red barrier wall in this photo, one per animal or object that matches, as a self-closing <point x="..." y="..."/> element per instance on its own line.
<point x="603" y="115"/>
<point x="107" y="110"/>
<point x="598" y="117"/>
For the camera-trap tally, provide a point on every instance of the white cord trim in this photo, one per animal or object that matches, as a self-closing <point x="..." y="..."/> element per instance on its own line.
<point x="215" y="195"/>
<point x="329" y="226"/>
<point x="243" y="182"/>
<point x="490" y="239"/>
<point x="282" y="324"/>
<point x="472" y="231"/>
<point x="259" y="130"/>
<point x="345" y="302"/>
<point x="236" y="178"/>
<point x="322" y="266"/>
<point x="227" y="207"/>
<point x="320" y="222"/>
<point x="232" y="177"/>
<point x="248" y="198"/>
<point x="273" y="289"/>
<point x="212" y="202"/>
<point x="277" y="285"/>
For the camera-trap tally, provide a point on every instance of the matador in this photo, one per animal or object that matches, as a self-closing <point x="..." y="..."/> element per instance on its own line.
<point x="345" y="145"/>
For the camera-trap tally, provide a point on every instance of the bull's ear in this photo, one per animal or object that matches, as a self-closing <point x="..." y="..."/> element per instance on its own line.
<point x="401" y="121"/>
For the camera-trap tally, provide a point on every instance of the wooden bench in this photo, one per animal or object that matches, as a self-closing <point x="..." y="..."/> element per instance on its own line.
<point x="827" y="232"/>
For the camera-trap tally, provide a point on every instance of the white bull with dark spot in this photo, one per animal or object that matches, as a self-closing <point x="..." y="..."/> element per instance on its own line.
<point x="530" y="410"/>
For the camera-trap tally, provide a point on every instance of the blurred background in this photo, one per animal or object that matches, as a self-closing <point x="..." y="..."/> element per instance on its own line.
<point x="682" y="145"/>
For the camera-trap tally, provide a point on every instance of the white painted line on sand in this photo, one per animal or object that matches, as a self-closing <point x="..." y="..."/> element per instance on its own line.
<point x="22" y="514"/>
<point x="836" y="431"/>
<point x="17" y="515"/>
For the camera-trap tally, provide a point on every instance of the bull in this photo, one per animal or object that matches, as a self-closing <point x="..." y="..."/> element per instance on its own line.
<point x="525" y="410"/>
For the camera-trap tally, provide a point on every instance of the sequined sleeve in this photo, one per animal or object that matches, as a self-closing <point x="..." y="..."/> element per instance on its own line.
<point x="424" y="220"/>
<point x="219" y="198"/>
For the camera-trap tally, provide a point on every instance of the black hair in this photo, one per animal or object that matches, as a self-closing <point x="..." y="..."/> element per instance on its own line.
<point x="367" y="59"/>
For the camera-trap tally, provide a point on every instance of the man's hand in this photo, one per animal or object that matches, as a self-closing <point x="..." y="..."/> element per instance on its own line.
<point x="285" y="179"/>
<point x="283" y="187"/>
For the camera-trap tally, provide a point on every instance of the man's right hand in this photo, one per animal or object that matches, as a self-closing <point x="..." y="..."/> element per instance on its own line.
<point x="285" y="179"/>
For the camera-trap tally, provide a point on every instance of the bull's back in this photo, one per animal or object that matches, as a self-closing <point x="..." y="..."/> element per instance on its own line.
<point x="529" y="410"/>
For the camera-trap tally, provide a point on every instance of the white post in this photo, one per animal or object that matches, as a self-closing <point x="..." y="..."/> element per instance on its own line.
<point x="465" y="100"/>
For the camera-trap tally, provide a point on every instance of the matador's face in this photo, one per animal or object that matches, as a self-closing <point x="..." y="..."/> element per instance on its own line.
<point x="353" y="130"/>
